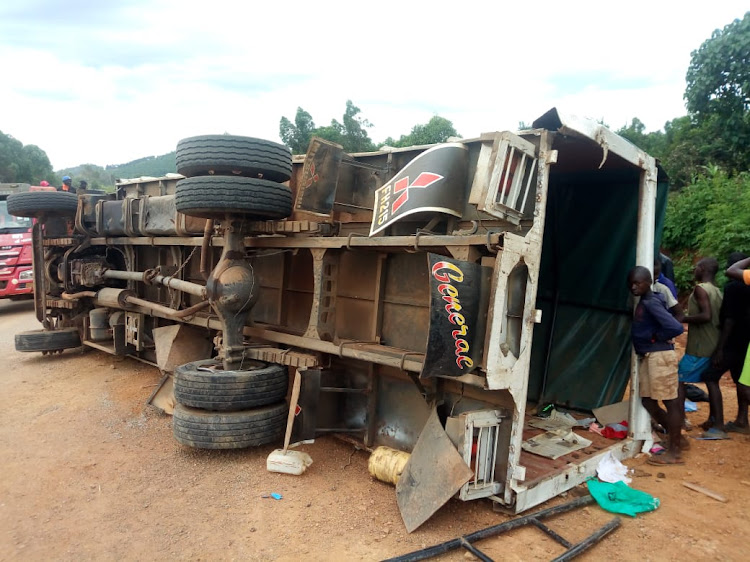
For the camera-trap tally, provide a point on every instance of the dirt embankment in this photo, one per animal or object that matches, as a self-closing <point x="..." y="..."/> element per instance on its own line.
<point x="89" y="472"/>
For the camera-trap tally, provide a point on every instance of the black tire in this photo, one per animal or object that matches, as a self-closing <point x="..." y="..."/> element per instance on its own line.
<point x="229" y="390"/>
<point x="212" y="197"/>
<point x="228" y="155"/>
<point x="229" y="430"/>
<point x="43" y="340"/>
<point x="43" y="204"/>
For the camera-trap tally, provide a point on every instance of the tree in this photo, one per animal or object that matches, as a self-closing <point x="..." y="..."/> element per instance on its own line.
<point x="718" y="93"/>
<point x="652" y="143"/>
<point x="438" y="129"/>
<point x="24" y="164"/>
<point x="351" y="134"/>
<point x="333" y="132"/>
<point x="297" y="135"/>
<point x="354" y="130"/>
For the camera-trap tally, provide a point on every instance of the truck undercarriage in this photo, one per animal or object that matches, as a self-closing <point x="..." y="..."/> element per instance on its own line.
<point x="402" y="285"/>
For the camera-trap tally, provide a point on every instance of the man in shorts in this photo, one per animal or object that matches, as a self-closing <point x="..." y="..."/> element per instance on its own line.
<point x="702" y="317"/>
<point x="652" y="331"/>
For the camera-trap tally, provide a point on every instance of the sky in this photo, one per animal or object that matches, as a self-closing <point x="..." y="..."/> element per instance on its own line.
<point x="110" y="81"/>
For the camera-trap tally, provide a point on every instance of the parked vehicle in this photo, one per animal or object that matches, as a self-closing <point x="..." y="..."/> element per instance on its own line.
<point x="16" y="275"/>
<point x="421" y="292"/>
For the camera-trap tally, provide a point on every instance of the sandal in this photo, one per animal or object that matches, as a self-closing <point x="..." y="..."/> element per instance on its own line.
<point x="665" y="460"/>
<point x="712" y="434"/>
<point x="733" y="427"/>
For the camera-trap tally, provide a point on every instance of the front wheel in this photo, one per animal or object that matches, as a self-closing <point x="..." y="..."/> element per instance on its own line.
<point x="38" y="204"/>
<point x="44" y="340"/>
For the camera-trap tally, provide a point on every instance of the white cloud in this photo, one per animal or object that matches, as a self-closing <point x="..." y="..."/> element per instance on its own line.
<point x="119" y="83"/>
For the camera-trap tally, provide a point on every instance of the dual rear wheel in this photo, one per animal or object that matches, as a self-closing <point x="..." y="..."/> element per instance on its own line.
<point x="229" y="176"/>
<point x="240" y="176"/>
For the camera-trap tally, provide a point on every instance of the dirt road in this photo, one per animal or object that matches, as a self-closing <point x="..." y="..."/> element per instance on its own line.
<point x="89" y="472"/>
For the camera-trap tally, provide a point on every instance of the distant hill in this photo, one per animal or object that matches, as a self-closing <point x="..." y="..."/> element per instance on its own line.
<point x="104" y="178"/>
<point x="154" y="166"/>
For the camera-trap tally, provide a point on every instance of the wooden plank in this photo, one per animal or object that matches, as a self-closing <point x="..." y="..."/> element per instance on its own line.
<point x="704" y="491"/>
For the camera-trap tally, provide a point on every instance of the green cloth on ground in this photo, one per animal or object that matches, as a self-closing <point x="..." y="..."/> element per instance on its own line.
<point x="621" y="498"/>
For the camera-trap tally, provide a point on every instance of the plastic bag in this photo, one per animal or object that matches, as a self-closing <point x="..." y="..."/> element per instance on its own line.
<point x="610" y="469"/>
<point x="618" y="497"/>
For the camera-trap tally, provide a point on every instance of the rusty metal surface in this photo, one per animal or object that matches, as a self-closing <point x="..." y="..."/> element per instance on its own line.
<point x="395" y="243"/>
<point x="283" y="356"/>
<point x="60" y="303"/>
<point x="59" y="242"/>
<point x="434" y="473"/>
<point x="323" y="312"/>
<point x="158" y="217"/>
<point x="162" y="397"/>
<point x="179" y="344"/>
<point x="289" y="227"/>
<point x="316" y="187"/>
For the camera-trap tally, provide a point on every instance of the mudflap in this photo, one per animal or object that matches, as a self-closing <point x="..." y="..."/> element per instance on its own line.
<point x="163" y="397"/>
<point x="434" y="473"/>
<point x="175" y="345"/>
<point x="179" y="344"/>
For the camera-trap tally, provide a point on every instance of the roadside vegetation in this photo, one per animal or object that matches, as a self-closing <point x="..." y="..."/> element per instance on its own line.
<point x="707" y="154"/>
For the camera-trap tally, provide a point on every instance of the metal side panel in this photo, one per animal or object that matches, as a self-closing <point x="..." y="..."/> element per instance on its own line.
<point x="572" y="476"/>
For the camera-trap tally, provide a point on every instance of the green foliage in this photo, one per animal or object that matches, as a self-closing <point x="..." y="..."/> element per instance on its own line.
<point x="153" y="166"/>
<point x="710" y="217"/>
<point x="23" y="164"/>
<point x="683" y="154"/>
<point x="104" y="178"/>
<point x="351" y="133"/>
<point x="355" y="128"/>
<point x="652" y="143"/>
<point x="297" y="135"/>
<point x="718" y="92"/>
<point x="438" y="129"/>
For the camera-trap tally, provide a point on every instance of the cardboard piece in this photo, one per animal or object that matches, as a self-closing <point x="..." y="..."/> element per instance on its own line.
<point x="614" y="413"/>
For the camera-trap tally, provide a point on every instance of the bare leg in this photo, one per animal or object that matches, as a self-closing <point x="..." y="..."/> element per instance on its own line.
<point x="656" y="412"/>
<point x="681" y="396"/>
<point x="674" y="426"/>
<point x="743" y="401"/>
<point x="716" y="405"/>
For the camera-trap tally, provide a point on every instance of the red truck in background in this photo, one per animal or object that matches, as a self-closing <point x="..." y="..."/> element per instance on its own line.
<point x="16" y="273"/>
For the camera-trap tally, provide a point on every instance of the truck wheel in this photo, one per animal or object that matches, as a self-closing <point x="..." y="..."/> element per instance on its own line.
<point x="43" y="203"/>
<point x="198" y="387"/>
<point x="229" y="430"/>
<point x="42" y="340"/>
<point x="229" y="155"/>
<point x="212" y="197"/>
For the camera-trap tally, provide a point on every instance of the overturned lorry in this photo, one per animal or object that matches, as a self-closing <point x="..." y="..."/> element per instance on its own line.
<point x="421" y="293"/>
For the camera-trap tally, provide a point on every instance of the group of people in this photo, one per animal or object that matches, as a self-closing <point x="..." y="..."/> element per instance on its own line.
<point x="717" y="341"/>
<point x="67" y="185"/>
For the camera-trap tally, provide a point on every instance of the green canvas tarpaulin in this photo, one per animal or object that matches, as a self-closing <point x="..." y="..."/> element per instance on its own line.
<point x="581" y="350"/>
